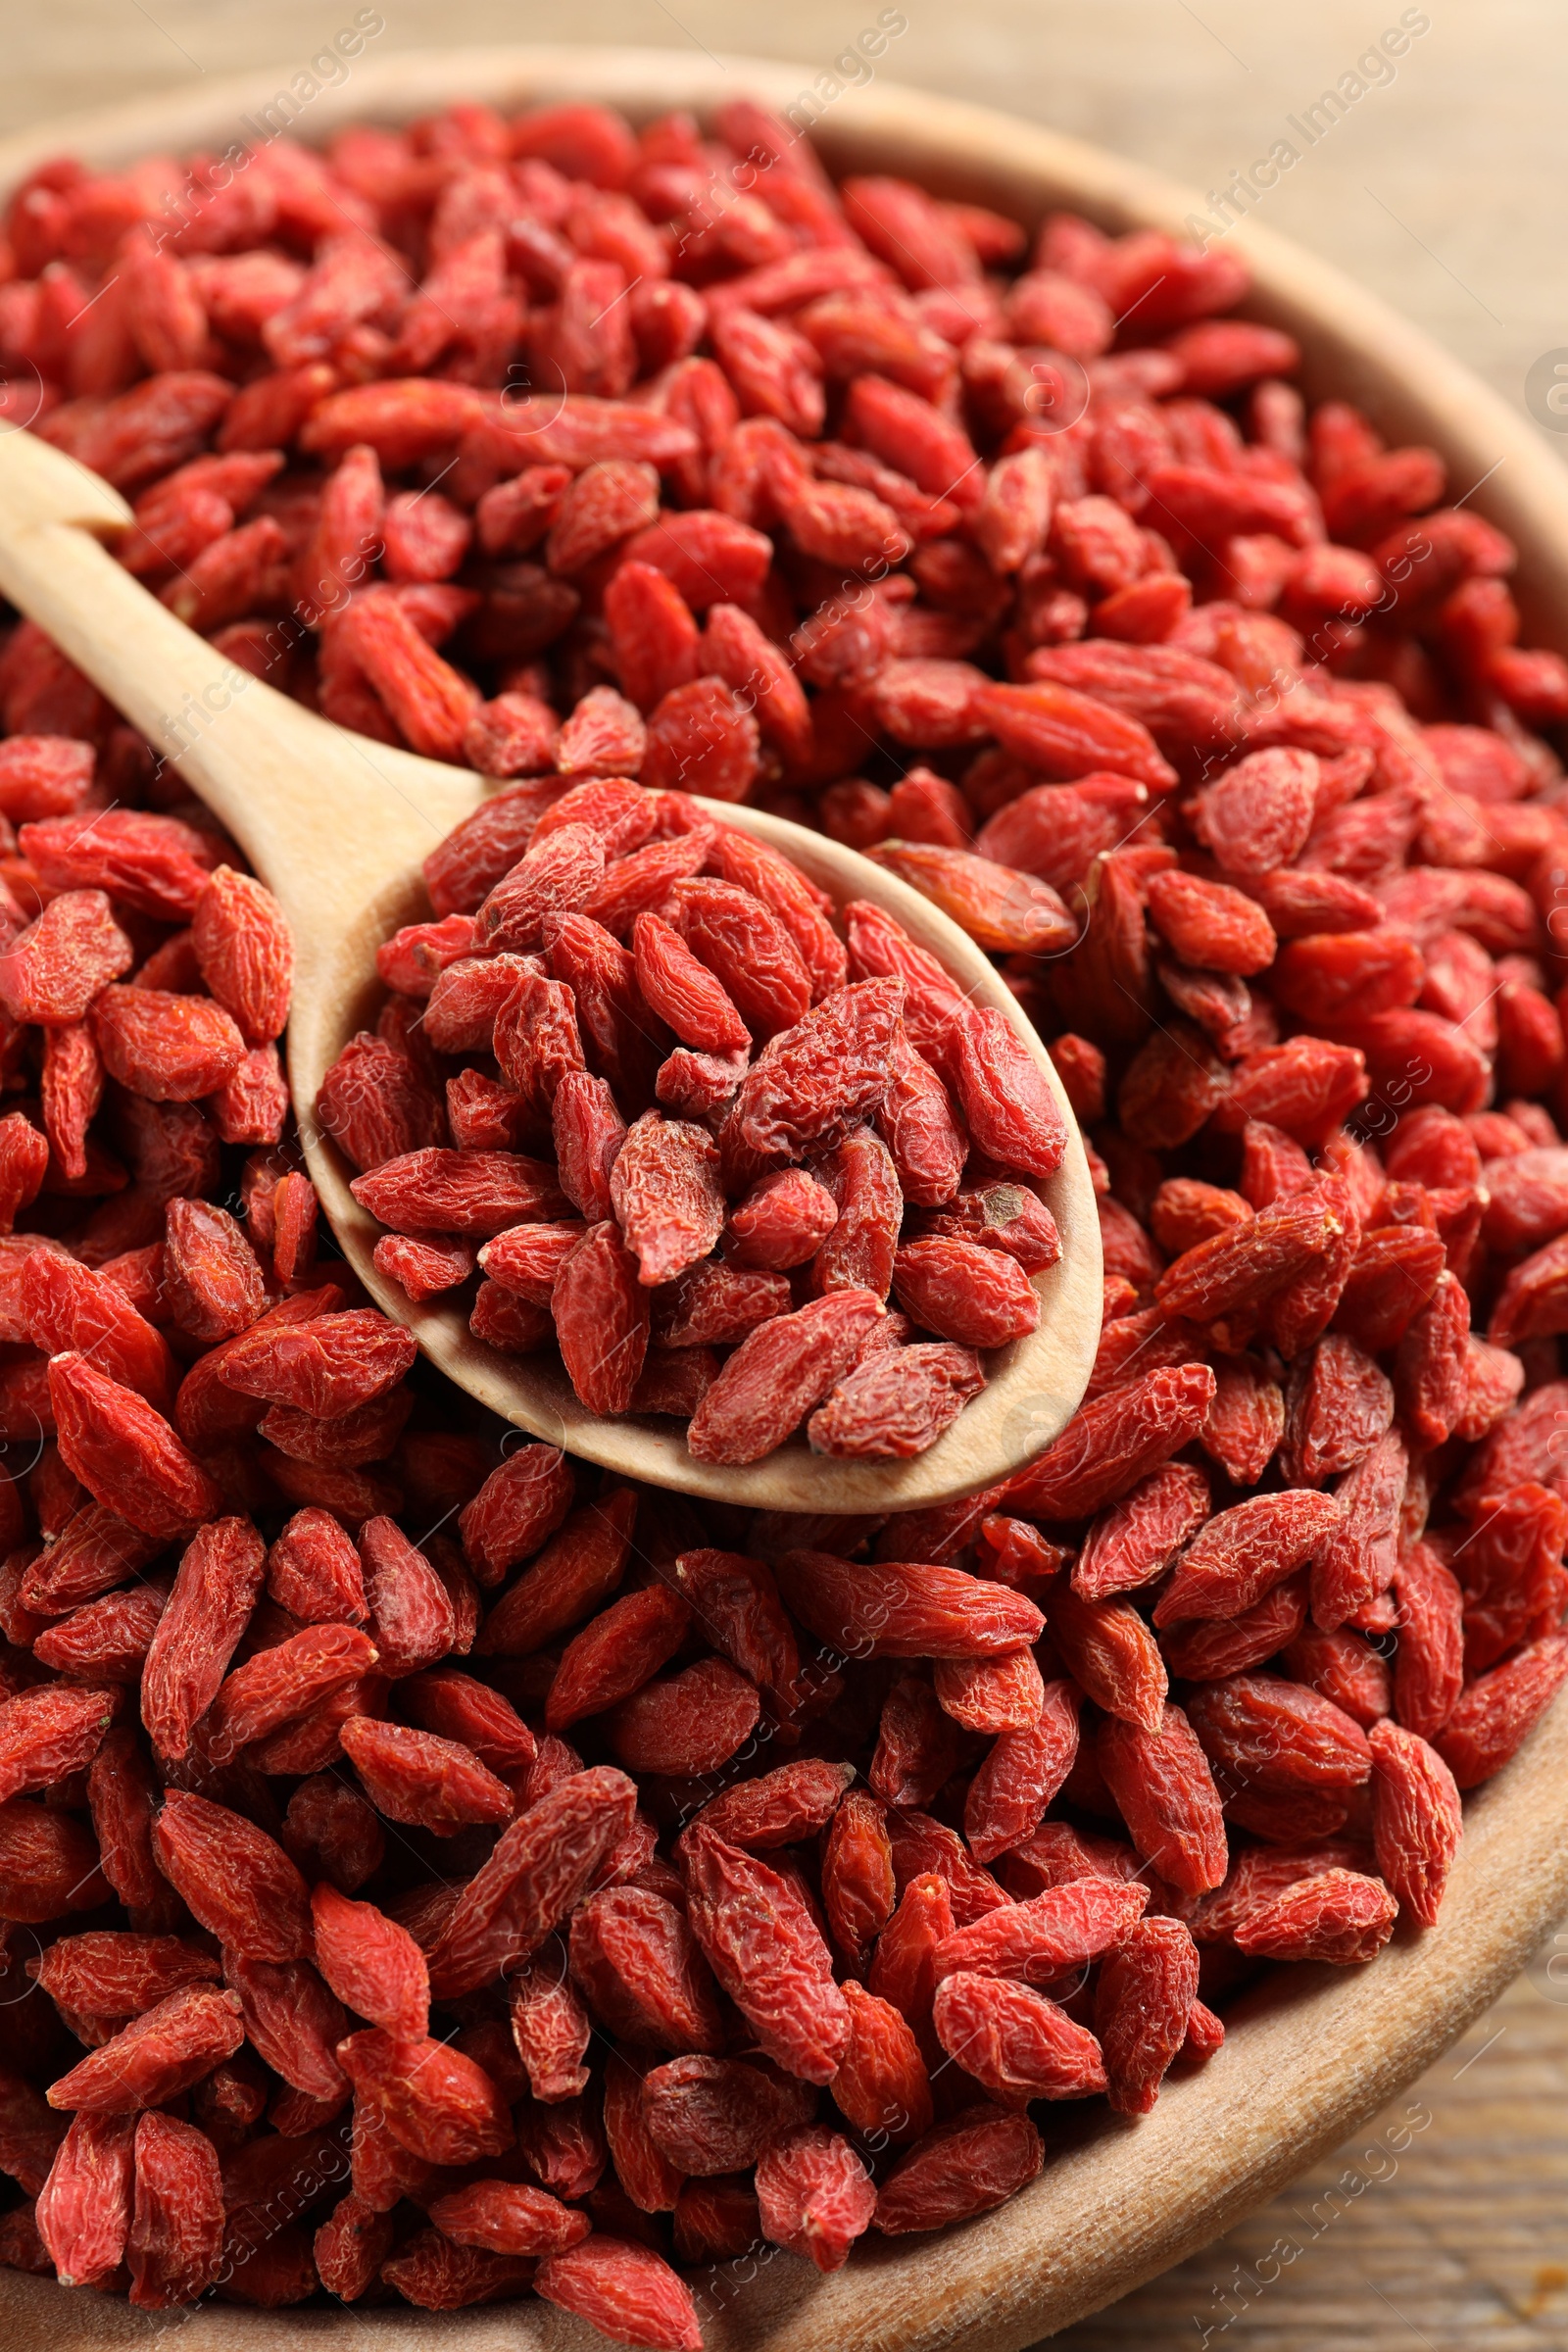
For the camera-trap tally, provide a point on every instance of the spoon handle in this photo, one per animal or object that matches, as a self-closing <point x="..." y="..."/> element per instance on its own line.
<point x="326" y="818"/>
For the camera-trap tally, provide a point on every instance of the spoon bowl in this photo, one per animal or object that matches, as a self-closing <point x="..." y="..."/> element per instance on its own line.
<point x="336" y="825"/>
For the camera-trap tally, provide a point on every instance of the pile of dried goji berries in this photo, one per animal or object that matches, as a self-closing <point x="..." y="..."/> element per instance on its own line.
<point x="687" y="1226"/>
<point x="518" y="1879"/>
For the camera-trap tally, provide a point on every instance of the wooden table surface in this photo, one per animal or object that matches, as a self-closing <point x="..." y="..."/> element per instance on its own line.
<point x="1444" y="2224"/>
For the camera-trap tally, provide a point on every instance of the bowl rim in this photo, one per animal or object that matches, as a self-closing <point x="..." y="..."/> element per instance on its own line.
<point x="1310" y="2053"/>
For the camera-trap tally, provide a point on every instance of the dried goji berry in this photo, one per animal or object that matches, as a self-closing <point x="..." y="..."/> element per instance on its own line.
<point x="1165" y="1793"/>
<point x="1337" y="1915"/>
<point x="1416" y="1819"/>
<point x="624" y="2290"/>
<point x="764" y="1948"/>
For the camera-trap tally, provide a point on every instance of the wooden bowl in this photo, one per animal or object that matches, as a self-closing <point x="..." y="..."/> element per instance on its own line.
<point x="1313" y="2050"/>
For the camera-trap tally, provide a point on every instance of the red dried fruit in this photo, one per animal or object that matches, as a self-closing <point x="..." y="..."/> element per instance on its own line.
<point x="376" y="1106"/>
<point x="1021" y="1775"/>
<point x="778" y="1373"/>
<point x="1243" y="1552"/>
<point x="325" y="1366"/>
<point x="906" y="1610"/>
<point x="588" y="1132"/>
<point x="1429" y="1664"/>
<point x="1498" y="1710"/>
<point x="859" y="1251"/>
<point x="282" y="1683"/>
<point x="990" y="1694"/>
<point x="686" y="1723"/>
<point x="120" y="1794"/>
<point x="881" y="2085"/>
<point x="1338" y="1915"/>
<point x="636" y="1962"/>
<point x="84" y="2208"/>
<point x="1164" y="1788"/>
<point x="1132" y="1542"/>
<point x="1003" y="910"/>
<point x="1416" y="1818"/>
<point x="762" y="1945"/>
<point x="707" y="2116"/>
<point x="976" y="1297"/>
<point x="174" y="2245"/>
<point x="781" y="1221"/>
<point x="292" y="2022"/>
<point x="431" y="2273"/>
<point x="602" y="1319"/>
<point x="350" y="2247"/>
<point x="52" y="970"/>
<point x="683" y="992"/>
<point x="1209" y="924"/>
<point x="552" y="2029"/>
<point x="66" y="1305"/>
<point x="814" y="2194"/>
<point x="1359" y="1557"/>
<point x="624" y="2290"/>
<point x="916" y="1749"/>
<point x="1304" y="1086"/>
<point x="1246" y="1264"/>
<point x="737" y="1603"/>
<point x="819" y="1077"/>
<point x="1048" y="1936"/>
<point x="110" y="1973"/>
<point x="434" y="2101"/>
<point x="1199" y="1650"/>
<point x="573" y="1575"/>
<point x="664" y="1190"/>
<point x="538" y="1870"/>
<point x="167" y="1047"/>
<point x="1123" y="672"/>
<point x="969" y="2164"/>
<point x="472" y="1193"/>
<point x="625" y="1645"/>
<point x="516" y="1509"/>
<point x="159" y="2054"/>
<point x="895" y="1402"/>
<point x="314" y="1571"/>
<point x="1060" y="732"/>
<point x="372" y="1965"/>
<point x="413" y="1619"/>
<point x="236" y="1880"/>
<point x="212" y="1281"/>
<point x="1113" y="1441"/>
<point x="858" y="1882"/>
<point x="1007" y="1102"/>
<point x="1142" y="2007"/>
<point x="50" y="1731"/>
<point x="458" y="1707"/>
<point x="417" y="1776"/>
<point x="1018" y="2044"/>
<point x="916" y="1121"/>
<point x="1271" y="1734"/>
<point x="245" y="952"/>
<point x="746" y="949"/>
<point x="1110" y="1654"/>
<point x="120" y="1448"/>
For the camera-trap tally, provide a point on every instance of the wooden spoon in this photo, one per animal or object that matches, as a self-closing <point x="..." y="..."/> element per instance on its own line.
<point x="337" y="826"/>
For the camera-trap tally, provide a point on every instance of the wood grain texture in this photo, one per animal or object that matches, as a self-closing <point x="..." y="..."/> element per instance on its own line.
<point x="1437" y="2224"/>
<point x="1463" y="2244"/>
